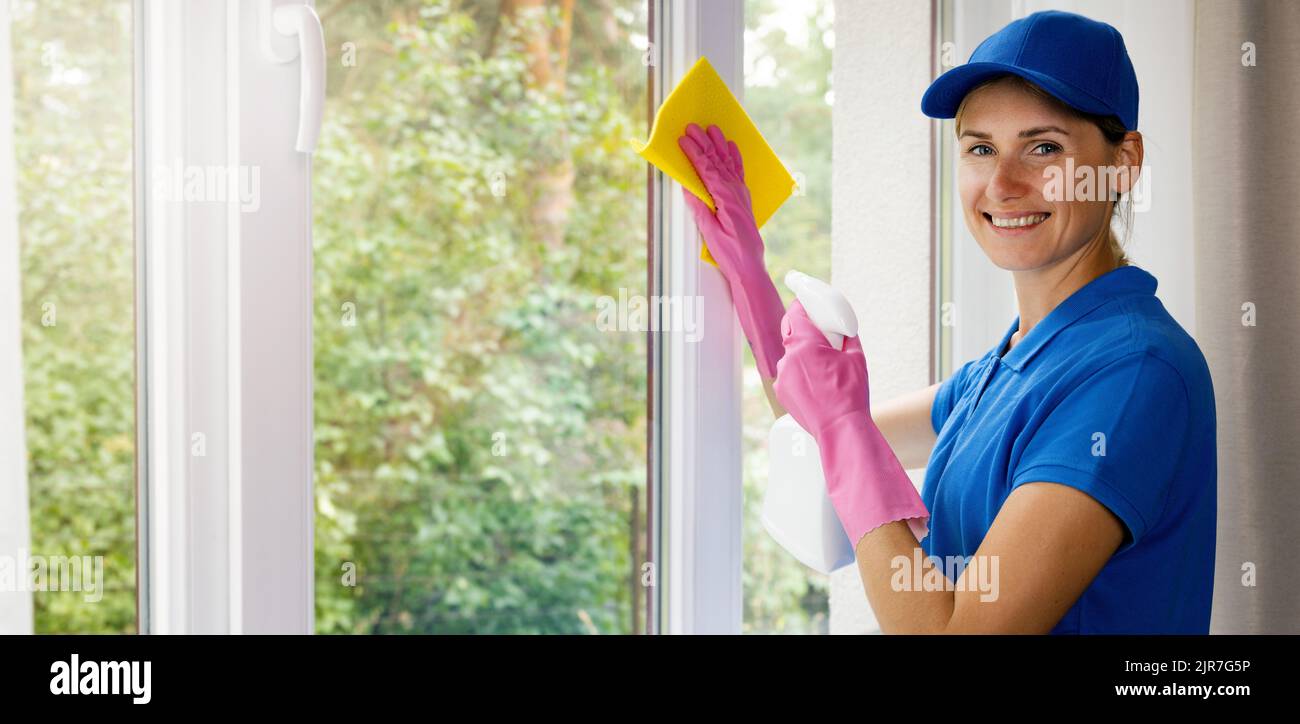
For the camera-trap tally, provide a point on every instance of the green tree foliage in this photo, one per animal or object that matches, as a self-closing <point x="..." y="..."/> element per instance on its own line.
<point x="72" y="127"/>
<point x="480" y="442"/>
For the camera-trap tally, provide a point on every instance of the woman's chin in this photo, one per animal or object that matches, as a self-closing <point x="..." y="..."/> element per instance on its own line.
<point x="1013" y="258"/>
<point x="1014" y="265"/>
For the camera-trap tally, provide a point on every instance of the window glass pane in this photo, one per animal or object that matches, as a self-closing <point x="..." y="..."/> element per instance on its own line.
<point x="480" y="434"/>
<point x="72" y="82"/>
<point x="788" y="46"/>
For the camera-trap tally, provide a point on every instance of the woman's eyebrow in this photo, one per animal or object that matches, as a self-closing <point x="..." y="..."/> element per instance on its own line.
<point x="1043" y="129"/>
<point x="1028" y="132"/>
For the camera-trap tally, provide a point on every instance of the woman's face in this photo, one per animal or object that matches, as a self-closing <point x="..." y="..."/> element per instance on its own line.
<point x="1018" y="155"/>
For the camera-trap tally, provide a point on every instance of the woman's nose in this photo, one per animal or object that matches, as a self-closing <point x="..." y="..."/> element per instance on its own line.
<point x="1010" y="180"/>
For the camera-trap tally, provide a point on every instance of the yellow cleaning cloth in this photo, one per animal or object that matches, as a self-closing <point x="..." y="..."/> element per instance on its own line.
<point x="702" y="98"/>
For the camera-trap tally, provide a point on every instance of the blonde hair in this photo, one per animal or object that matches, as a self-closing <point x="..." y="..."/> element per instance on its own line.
<point x="1112" y="129"/>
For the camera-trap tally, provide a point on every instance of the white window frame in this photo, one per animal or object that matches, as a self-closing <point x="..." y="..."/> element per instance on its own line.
<point x="15" y="530"/>
<point x="700" y="423"/>
<point x="224" y="330"/>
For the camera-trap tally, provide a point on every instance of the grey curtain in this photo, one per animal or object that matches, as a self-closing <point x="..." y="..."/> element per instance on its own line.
<point x="1247" y="221"/>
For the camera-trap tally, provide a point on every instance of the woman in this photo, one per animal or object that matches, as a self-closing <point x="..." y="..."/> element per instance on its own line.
<point x="1071" y="470"/>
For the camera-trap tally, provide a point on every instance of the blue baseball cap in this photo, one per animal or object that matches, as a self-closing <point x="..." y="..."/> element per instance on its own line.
<point x="1078" y="60"/>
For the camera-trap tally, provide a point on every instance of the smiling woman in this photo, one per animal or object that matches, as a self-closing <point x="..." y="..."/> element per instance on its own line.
<point x="1046" y="467"/>
<point x="1046" y="458"/>
<point x="1122" y="149"/>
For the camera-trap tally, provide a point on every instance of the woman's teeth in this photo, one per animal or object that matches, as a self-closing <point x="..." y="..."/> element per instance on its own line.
<point x="1020" y="221"/>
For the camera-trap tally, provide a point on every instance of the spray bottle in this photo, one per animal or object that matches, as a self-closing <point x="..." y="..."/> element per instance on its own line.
<point x="797" y="510"/>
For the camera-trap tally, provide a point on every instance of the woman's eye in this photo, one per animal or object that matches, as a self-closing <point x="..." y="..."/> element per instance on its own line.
<point x="1050" y="145"/>
<point x="974" y="150"/>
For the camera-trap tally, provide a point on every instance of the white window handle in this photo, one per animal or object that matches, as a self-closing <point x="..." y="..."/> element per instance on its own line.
<point x="293" y="17"/>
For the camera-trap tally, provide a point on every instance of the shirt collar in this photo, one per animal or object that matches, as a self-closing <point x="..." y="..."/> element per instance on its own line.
<point x="1121" y="281"/>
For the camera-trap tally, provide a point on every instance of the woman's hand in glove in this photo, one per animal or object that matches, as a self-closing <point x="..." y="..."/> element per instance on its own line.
<point x="733" y="240"/>
<point x="826" y="391"/>
<point x="731" y="231"/>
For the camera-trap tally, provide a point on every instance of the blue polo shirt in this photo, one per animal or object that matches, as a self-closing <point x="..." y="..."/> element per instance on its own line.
<point x="1109" y="395"/>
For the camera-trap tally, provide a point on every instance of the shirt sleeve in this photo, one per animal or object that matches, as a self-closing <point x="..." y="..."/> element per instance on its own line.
<point x="949" y="392"/>
<point x="1118" y="436"/>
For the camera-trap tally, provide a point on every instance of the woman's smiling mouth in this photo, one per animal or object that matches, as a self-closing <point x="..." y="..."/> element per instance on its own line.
<point x="1016" y="224"/>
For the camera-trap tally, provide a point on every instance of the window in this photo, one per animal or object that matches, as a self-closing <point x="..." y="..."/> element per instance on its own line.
<point x="480" y="427"/>
<point x="70" y="66"/>
<point x="484" y="397"/>
<point x="788" y="94"/>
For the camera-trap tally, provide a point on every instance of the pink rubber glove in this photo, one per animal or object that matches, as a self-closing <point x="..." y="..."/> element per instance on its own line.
<point x="732" y="237"/>
<point x="826" y="392"/>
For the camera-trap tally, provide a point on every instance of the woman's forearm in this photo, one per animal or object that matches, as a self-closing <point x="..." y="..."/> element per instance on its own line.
<point x="890" y="554"/>
<point x="890" y="562"/>
<point x="777" y="409"/>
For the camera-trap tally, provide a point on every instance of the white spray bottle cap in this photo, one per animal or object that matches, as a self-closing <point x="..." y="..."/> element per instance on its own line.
<point x="826" y="307"/>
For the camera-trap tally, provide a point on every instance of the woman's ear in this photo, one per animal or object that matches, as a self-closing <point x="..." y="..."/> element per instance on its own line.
<point x="1128" y="160"/>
